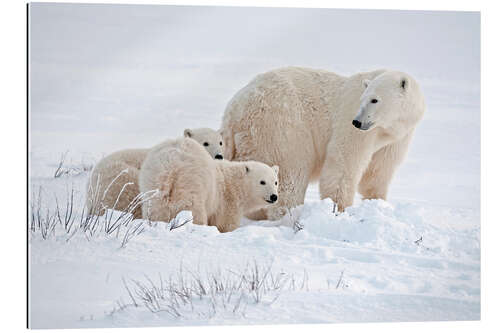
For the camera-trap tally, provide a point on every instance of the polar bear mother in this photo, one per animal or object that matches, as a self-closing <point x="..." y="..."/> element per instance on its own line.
<point x="351" y="133"/>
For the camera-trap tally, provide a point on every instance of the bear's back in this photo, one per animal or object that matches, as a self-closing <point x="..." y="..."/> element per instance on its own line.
<point x="183" y="156"/>
<point x="132" y="157"/>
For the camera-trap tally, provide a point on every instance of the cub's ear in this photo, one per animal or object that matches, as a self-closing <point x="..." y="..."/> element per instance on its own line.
<point x="276" y="168"/>
<point x="188" y="133"/>
<point x="366" y="82"/>
<point x="404" y="84"/>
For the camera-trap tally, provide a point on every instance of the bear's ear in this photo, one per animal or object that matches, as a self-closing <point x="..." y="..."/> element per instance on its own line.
<point x="366" y="82"/>
<point x="276" y="168"/>
<point x="404" y="83"/>
<point x="187" y="133"/>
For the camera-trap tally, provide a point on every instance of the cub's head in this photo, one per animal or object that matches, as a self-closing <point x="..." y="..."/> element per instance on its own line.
<point x="261" y="184"/>
<point x="392" y="101"/>
<point x="210" y="140"/>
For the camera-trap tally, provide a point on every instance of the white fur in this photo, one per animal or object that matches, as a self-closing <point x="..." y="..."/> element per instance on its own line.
<point x="217" y="192"/>
<point x="210" y="140"/>
<point x="301" y="119"/>
<point x="114" y="181"/>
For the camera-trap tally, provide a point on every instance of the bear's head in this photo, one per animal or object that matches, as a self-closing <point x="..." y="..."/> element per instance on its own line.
<point x="210" y="140"/>
<point x="261" y="184"/>
<point x="391" y="101"/>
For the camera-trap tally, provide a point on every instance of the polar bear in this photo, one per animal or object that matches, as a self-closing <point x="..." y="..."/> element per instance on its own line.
<point x="114" y="182"/>
<point x="218" y="193"/>
<point x="351" y="133"/>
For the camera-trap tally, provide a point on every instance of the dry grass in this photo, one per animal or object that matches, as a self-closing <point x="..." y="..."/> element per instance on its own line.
<point x="67" y="219"/>
<point x="295" y="220"/>
<point x="65" y="170"/>
<point x="204" y="295"/>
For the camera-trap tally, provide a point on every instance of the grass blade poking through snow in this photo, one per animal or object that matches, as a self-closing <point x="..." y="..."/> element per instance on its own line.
<point x="191" y="294"/>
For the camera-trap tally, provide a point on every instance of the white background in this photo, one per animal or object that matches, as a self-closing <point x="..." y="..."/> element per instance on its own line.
<point x="14" y="109"/>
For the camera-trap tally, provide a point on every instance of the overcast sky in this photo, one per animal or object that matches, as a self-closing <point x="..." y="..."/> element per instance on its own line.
<point x="97" y="69"/>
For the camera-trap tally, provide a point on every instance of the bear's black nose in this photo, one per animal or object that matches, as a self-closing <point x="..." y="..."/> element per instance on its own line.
<point x="356" y="123"/>
<point x="273" y="197"/>
<point x="219" y="157"/>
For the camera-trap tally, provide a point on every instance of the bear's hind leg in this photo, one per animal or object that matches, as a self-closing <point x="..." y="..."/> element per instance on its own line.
<point x="115" y="190"/>
<point x="133" y="194"/>
<point x="291" y="192"/>
<point x="199" y="213"/>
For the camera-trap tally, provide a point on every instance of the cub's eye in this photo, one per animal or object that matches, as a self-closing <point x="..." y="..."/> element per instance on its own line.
<point x="220" y="143"/>
<point x="262" y="182"/>
<point x="374" y="100"/>
<point x="275" y="183"/>
<point x="205" y="144"/>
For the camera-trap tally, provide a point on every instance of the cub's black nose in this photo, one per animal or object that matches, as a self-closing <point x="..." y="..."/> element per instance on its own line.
<point x="356" y="123"/>
<point x="219" y="157"/>
<point x="273" y="197"/>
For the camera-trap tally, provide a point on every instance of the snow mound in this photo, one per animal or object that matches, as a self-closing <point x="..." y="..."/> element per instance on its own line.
<point x="377" y="261"/>
<point x="376" y="224"/>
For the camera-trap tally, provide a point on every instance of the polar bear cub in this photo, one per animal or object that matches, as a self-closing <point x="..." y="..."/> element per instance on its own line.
<point x="114" y="182"/>
<point x="218" y="193"/>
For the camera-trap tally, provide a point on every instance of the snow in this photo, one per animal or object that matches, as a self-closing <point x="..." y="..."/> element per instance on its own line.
<point x="108" y="77"/>
<point x="396" y="265"/>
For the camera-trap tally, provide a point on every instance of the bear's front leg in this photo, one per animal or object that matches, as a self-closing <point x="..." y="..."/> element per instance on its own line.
<point x="227" y="221"/>
<point x="228" y="227"/>
<point x="378" y="175"/>
<point x="338" y="187"/>
<point x="339" y="179"/>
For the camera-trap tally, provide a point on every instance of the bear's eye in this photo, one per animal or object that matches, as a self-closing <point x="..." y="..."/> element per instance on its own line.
<point x="262" y="182"/>
<point x="275" y="183"/>
<point x="374" y="100"/>
<point x="205" y="144"/>
<point x="220" y="143"/>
